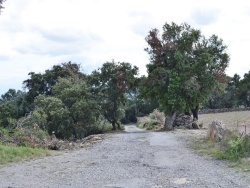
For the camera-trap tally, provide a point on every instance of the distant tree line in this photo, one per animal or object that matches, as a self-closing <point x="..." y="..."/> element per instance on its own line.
<point x="1" y="5"/>
<point x="186" y="72"/>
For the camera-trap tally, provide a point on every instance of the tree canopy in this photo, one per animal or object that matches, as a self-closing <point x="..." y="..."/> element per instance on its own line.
<point x="70" y="111"/>
<point x="109" y="85"/>
<point x="13" y="105"/>
<point x="42" y="83"/>
<point x="184" y="67"/>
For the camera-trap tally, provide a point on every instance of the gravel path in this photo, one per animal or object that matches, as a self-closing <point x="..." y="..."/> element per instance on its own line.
<point x="127" y="160"/>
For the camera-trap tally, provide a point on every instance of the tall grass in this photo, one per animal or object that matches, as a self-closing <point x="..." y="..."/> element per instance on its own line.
<point x="10" y="154"/>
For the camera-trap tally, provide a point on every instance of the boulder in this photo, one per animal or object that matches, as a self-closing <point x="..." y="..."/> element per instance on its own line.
<point x="217" y="130"/>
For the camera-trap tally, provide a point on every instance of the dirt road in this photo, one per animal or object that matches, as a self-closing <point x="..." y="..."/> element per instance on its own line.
<point x="127" y="160"/>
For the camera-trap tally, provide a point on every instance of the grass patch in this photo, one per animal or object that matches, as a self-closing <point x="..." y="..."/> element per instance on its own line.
<point x="236" y="150"/>
<point x="10" y="154"/>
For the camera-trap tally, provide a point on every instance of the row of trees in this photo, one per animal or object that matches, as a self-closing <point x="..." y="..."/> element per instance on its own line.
<point x="236" y="93"/>
<point x="69" y="103"/>
<point x="186" y="70"/>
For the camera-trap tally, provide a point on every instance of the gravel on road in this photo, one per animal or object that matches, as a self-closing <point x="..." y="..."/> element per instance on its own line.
<point x="134" y="159"/>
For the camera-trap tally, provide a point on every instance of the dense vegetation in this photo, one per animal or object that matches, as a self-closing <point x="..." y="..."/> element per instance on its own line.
<point x="186" y="72"/>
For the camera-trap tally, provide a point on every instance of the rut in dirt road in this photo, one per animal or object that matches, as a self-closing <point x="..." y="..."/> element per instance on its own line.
<point x="127" y="160"/>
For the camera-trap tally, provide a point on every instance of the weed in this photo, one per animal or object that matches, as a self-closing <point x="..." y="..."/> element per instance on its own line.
<point x="237" y="149"/>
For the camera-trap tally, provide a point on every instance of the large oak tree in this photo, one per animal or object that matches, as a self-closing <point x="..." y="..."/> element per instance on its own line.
<point x="184" y="67"/>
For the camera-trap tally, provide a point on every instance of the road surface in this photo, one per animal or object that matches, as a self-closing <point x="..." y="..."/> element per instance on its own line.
<point x="135" y="159"/>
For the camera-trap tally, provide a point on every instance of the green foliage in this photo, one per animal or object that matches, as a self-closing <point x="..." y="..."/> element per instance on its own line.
<point x="232" y="147"/>
<point x="109" y="85"/>
<point x="56" y="114"/>
<point x="237" y="148"/>
<point x="76" y="96"/>
<point x="65" y="104"/>
<point x="70" y="112"/>
<point x="152" y="124"/>
<point x="12" y="106"/>
<point x="39" y="83"/>
<point x="137" y="107"/>
<point x="7" y="111"/>
<point x="235" y="94"/>
<point x="184" y="68"/>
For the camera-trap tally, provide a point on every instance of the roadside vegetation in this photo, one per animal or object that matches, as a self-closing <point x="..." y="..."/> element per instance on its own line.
<point x="22" y="144"/>
<point x="236" y="150"/>
<point x="234" y="146"/>
<point x="9" y="154"/>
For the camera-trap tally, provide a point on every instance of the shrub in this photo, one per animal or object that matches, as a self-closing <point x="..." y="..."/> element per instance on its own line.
<point x="237" y="148"/>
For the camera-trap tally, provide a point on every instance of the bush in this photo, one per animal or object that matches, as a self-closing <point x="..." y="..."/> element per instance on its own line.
<point x="237" y="148"/>
<point x="153" y="124"/>
<point x="155" y="120"/>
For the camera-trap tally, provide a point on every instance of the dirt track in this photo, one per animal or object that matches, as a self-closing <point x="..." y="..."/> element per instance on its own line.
<point x="133" y="159"/>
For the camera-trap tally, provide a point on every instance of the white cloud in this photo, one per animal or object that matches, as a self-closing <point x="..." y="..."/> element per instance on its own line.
<point x="37" y="34"/>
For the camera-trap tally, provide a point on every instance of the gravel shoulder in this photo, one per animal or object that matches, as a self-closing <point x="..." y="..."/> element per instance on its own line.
<point x="133" y="159"/>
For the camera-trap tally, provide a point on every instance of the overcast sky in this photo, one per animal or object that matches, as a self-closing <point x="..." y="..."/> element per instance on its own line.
<point x="36" y="34"/>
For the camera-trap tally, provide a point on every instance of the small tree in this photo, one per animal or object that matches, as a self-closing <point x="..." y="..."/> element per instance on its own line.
<point x="76" y="96"/>
<point x="109" y="85"/>
<point x="57" y="115"/>
<point x="71" y="111"/>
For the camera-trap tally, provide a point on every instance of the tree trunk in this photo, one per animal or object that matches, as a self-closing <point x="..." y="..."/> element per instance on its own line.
<point x="113" y="125"/>
<point x="247" y="103"/>
<point x="210" y="104"/>
<point x="111" y="121"/>
<point x="169" y="121"/>
<point x="195" y="112"/>
<point x="118" y="125"/>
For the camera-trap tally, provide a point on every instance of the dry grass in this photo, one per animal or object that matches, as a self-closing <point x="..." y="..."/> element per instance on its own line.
<point x="232" y="120"/>
<point x="154" y="121"/>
